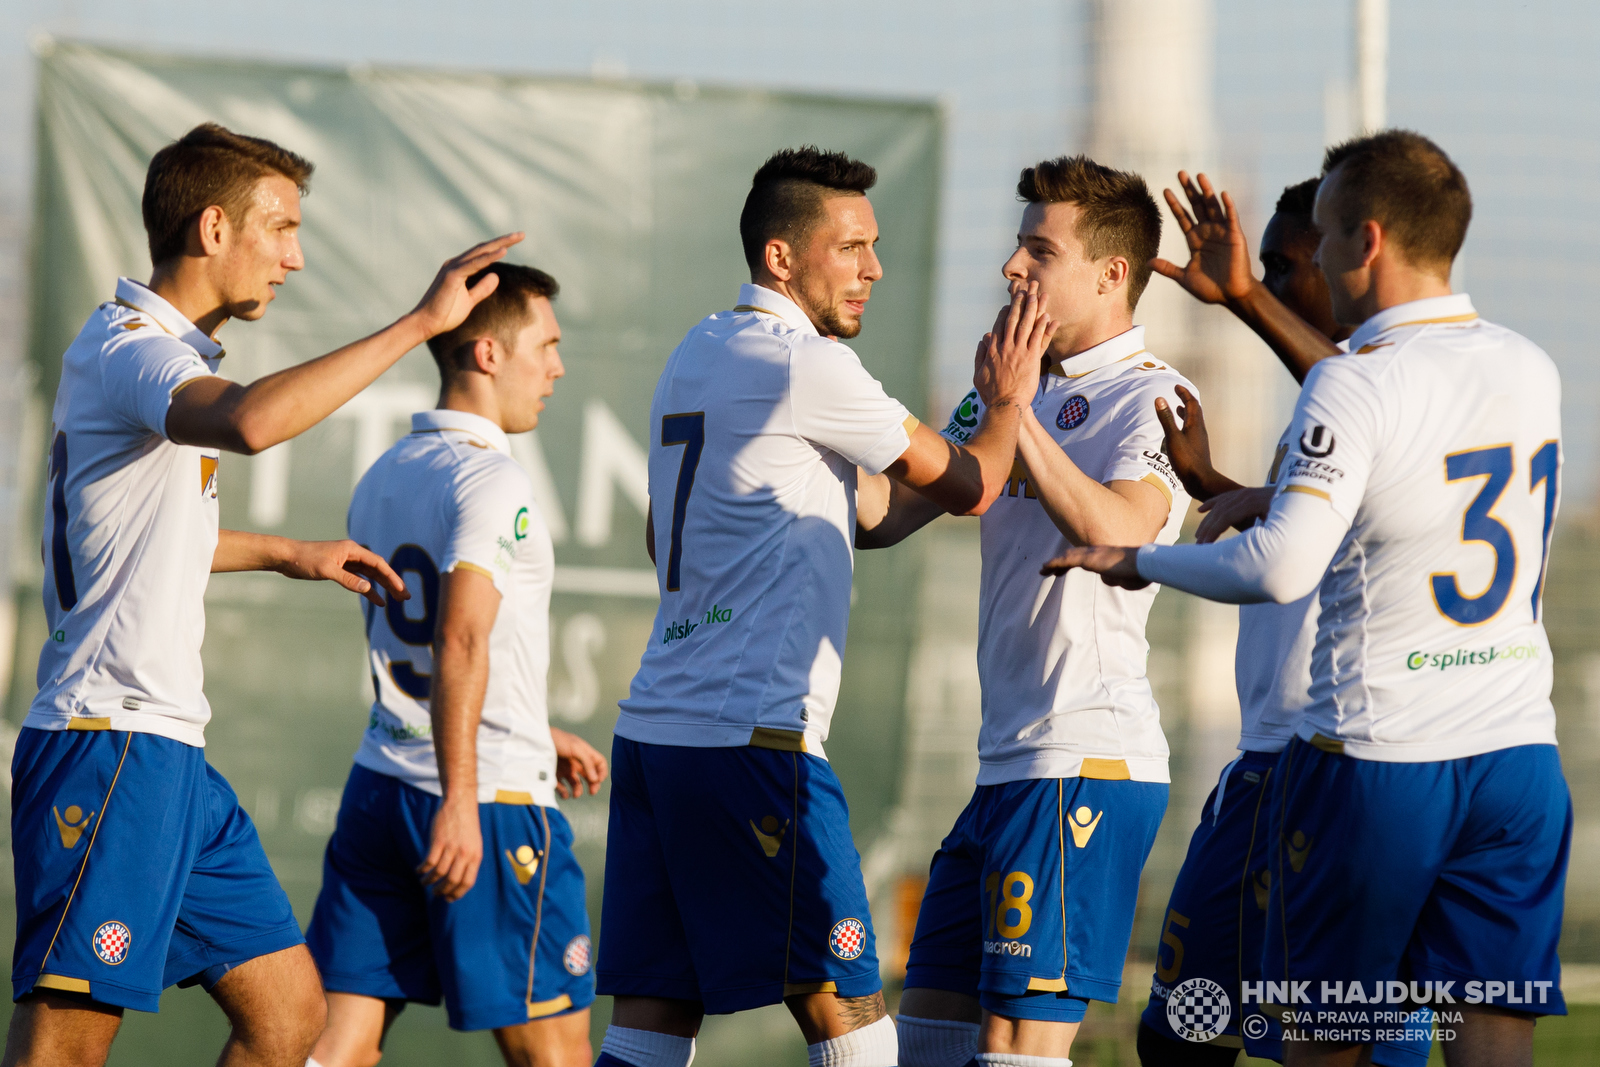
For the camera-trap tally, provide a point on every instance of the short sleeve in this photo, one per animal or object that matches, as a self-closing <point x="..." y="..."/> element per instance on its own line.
<point x="494" y="517"/>
<point x="1137" y="455"/>
<point x="141" y="374"/>
<point x="838" y="405"/>
<point x="1333" y="438"/>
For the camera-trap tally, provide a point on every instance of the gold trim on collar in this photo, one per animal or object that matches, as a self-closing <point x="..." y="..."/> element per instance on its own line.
<point x="135" y="307"/>
<point x="1059" y="372"/>
<point x="1465" y="317"/>
<point x="752" y="307"/>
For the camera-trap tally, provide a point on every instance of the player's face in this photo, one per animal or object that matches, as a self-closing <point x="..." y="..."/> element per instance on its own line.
<point x="260" y="251"/>
<point x="532" y="365"/>
<point x="834" y="273"/>
<point x="1342" y="257"/>
<point x="1289" y="269"/>
<point x="1050" y="252"/>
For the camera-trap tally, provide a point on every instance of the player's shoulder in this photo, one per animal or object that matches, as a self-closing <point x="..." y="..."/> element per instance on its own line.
<point x="1135" y="386"/>
<point x="481" y="469"/>
<point x="117" y="330"/>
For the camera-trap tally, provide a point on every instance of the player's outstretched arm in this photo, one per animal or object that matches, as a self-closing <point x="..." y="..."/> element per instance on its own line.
<point x="468" y="603"/>
<point x="345" y="562"/>
<point x="578" y="765"/>
<point x="1218" y="272"/>
<point x="887" y="512"/>
<point x="966" y="479"/>
<point x="1240" y="508"/>
<point x="1121" y="512"/>
<point x="213" y="412"/>
<point x="1188" y="447"/>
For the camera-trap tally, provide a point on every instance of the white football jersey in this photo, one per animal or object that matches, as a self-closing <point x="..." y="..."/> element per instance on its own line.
<point x="130" y="529"/>
<point x="1438" y="439"/>
<point x="449" y="495"/>
<point x="756" y="429"/>
<point x="1061" y="660"/>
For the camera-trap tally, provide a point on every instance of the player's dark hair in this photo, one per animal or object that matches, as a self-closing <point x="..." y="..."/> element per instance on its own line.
<point x="786" y="196"/>
<point x="1119" y="218"/>
<point x="209" y="166"/>
<point x="1299" y="198"/>
<point x="1407" y="185"/>
<point x="499" y="315"/>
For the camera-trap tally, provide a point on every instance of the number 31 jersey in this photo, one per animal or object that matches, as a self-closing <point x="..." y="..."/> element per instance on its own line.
<point x="756" y="429"/>
<point x="1438" y="439"/>
<point x="449" y="495"/>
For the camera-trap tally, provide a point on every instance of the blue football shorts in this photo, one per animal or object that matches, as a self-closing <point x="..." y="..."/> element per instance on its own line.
<point x="136" y="869"/>
<point x="1215" y="922"/>
<point x="731" y="879"/>
<point x="1031" y="897"/>
<point x="1447" y="876"/>
<point x="514" y="948"/>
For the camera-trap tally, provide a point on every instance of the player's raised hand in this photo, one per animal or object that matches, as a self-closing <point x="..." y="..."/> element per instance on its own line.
<point x="1115" y="566"/>
<point x="1240" y="508"/>
<point x="578" y="765"/>
<point x="448" y="301"/>
<point x="349" y="564"/>
<point x="1188" y="445"/>
<point x="1009" y="357"/>
<point x="1219" y="257"/>
<point x="456" y="850"/>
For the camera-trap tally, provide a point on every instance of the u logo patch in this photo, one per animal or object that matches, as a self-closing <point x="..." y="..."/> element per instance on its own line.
<point x="71" y="824"/>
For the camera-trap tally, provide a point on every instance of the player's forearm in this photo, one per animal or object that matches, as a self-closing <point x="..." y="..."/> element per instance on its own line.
<point x="1087" y="512"/>
<point x="238" y="550"/>
<point x="1297" y="343"/>
<point x="888" y="512"/>
<point x="991" y="450"/>
<point x="249" y="419"/>
<point x="455" y="707"/>
<point x="1279" y="560"/>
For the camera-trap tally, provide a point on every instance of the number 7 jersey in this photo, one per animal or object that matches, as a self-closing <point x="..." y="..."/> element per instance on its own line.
<point x="1438" y="439"/>
<point x="756" y="429"/>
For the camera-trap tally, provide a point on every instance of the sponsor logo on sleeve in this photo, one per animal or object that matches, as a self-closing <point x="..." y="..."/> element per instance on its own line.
<point x="964" y="420"/>
<point x="519" y="525"/>
<point x="1471" y="657"/>
<point x="1317" y="442"/>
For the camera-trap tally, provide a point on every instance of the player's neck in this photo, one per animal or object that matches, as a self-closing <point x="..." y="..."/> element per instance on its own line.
<point x="184" y="284"/>
<point x="1398" y="283"/>
<point x="473" y="394"/>
<point x="1075" y="339"/>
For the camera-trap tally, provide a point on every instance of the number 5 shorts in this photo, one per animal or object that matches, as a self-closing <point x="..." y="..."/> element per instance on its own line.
<point x="1031" y="896"/>
<point x="731" y="879"/>
<point x="136" y="869"/>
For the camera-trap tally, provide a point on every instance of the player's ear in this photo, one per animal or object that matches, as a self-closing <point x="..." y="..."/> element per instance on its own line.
<point x="1372" y="241"/>
<point x="485" y="355"/>
<point x="779" y="259"/>
<point x="209" y="233"/>
<point x="1114" y="276"/>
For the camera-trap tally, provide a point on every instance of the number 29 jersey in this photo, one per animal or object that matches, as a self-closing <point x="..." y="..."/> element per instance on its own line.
<point x="450" y="495"/>
<point x="1438" y="439"/>
<point x="756" y="429"/>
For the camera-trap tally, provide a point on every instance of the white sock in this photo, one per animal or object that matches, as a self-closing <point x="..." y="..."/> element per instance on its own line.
<point x="868" y="1046"/>
<point x="1011" y="1059"/>
<point x="646" y="1048"/>
<point x="936" y="1042"/>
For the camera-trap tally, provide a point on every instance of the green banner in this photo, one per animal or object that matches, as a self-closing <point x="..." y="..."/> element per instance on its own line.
<point x="630" y="196"/>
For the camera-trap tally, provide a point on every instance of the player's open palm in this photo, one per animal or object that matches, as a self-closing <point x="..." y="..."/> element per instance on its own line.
<point x="456" y="850"/>
<point x="1188" y="445"/>
<point x="1219" y="257"/>
<point x="1241" y="509"/>
<point x="352" y="566"/>
<point x="449" y="301"/>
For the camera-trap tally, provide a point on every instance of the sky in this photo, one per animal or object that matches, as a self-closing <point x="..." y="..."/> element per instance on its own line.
<point x="1511" y="90"/>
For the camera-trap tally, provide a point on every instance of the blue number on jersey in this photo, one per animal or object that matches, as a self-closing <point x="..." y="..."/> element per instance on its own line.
<point x="687" y="429"/>
<point x="416" y="632"/>
<point x="1478" y="524"/>
<point x="66" y="584"/>
<point x="1545" y="467"/>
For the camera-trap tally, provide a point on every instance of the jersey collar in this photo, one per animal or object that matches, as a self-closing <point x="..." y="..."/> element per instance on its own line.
<point x="142" y="298"/>
<point x="1125" y="345"/>
<point x="464" y="421"/>
<point x="754" y="297"/>
<point x="1457" y="307"/>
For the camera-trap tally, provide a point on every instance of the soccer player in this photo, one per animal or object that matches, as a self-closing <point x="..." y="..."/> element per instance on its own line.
<point x="731" y="878"/>
<point x="135" y="866"/>
<point x="1421" y="821"/>
<point x="459" y="761"/>
<point x="1030" y="899"/>
<point x="1213" y="925"/>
